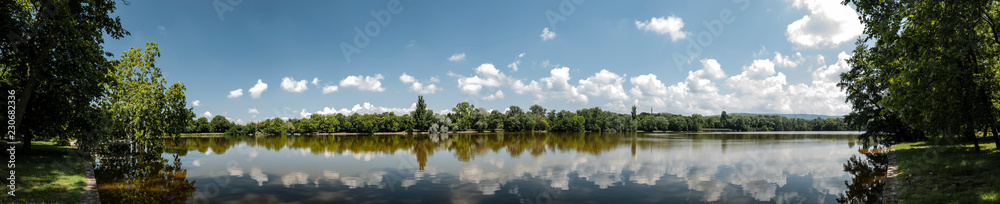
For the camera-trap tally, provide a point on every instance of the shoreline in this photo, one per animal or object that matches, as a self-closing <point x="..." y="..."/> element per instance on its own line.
<point x="891" y="192"/>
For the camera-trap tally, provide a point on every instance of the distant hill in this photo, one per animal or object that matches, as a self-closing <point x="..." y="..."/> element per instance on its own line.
<point x="803" y="116"/>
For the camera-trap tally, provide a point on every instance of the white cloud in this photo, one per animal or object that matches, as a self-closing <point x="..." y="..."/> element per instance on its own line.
<point x="829" y="23"/>
<point x="495" y="96"/>
<point x="289" y="84"/>
<point x="557" y="86"/>
<point x="304" y="113"/>
<point x="517" y="61"/>
<point x="235" y="93"/>
<point x="547" y="34"/>
<point x="417" y="86"/>
<point x="196" y="103"/>
<point x="364" y="83"/>
<point x="365" y="108"/>
<point x="315" y="81"/>
<point x="207" y="114"/>
<point x="647" y="85"/>
<point x="787" y="61"/>
<point x="253" y="111"/>
<point x="487" y="75"/>
<point x="330" y="89"/>
<point x="701" y="81"/>
<point x="605" y="84"/>
<point x="457" y="57"/>
<point x="665" y="26"/>
<point x="406" y="78"/>
<point x="258" y="89"/>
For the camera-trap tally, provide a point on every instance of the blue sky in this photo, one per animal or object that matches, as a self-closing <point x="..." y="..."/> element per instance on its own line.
<point x="672" y="56"/>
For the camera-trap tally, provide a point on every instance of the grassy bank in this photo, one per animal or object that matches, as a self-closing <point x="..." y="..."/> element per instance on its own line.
<point x="49" y="174"/>
<point x="952" y="173"/>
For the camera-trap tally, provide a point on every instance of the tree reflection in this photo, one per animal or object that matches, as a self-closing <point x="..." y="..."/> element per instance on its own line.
<point x="867" y="176"/>
<point x="141" y="175"/>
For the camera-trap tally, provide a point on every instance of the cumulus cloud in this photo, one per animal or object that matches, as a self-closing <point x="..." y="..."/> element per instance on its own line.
<point x="547" y="34"/>
<point x="828" y="23"/>
<point x="517" y="61"/>
<point x="495" y="96"/>
<point x="365" y="108"/>
<point x="330" y="89"/>
<point x="486" y="76"/>
<point x="557" y="86"/>
<point x="196" y="103"/>
<point x="664" y="26"/>
<point x="253" y="111"/>
<point x="457" y="57"/>
<point x="787" y="61"/>
<point x="647" y="85"/>
<point x="315" y="81"/>
<point x="364" y="83"/>
<point x="258" y="89"/>
<point x="416" y="86"/>
<point x="207" y="114"/>
<point x="289" y="84"/>
<point x="605" y="84"/>
<point x="235" y="93"/>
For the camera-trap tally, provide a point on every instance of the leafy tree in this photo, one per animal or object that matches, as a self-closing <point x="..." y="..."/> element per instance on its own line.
<point x="46" y="47"/>
<point x="537" y="110"/>
<point x="138" y="104"/>
<point x="462" y="115"/>
<point x="422" y="116"/>
<point x="633" y="112"/>
<point x="274" y="126"/>
<point x="936" y="61"/>
<point x="220" y="123"/>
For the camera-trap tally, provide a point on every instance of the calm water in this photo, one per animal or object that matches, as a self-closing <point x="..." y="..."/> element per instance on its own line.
<point x="804" y="167"/>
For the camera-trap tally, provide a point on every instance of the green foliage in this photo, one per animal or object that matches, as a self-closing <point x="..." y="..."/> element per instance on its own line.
<point x="220" y="124"/>
<point x="51" y="52"/>
<point x="274" y="126"/>
<point x="930" y="66"/>
<point x="422" y="117"/>
<point x="138" y="104"/>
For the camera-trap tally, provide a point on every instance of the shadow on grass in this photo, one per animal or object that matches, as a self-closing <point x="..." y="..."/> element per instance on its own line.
<point x="48" y="174"/>
<point x="954" y="173"/>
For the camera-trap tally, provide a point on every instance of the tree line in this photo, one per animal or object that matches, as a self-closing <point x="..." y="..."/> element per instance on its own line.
<point x="466" y="117"/>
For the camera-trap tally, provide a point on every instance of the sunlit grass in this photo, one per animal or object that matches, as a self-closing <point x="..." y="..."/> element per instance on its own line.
<point x="948" y="172"/>
<point x="49" y="174"/>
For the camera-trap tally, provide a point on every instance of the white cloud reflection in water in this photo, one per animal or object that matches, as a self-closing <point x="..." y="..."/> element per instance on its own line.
<point x="758" y="169"/>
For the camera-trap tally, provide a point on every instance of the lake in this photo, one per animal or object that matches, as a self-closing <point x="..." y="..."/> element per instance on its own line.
<point x="770" y="167"/>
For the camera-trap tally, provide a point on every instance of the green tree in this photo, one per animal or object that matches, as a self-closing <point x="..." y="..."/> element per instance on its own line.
<point x="936" y="59"/>
<point x="422" y="116"/>
<point x="537" y="110"/>
<point x="220" y="124"/>
<point x="138" y="104"/>
<point x="56" y="48"/>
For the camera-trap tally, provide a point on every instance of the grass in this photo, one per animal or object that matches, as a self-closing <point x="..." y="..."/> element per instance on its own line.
<point x="49" y="174"/>
<point x="948" y="173"/>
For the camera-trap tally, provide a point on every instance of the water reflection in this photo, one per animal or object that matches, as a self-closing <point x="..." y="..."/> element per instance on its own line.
<point x="868" y="173"/>
<point x="493" y="168"/>
<point x="142" y="175"/>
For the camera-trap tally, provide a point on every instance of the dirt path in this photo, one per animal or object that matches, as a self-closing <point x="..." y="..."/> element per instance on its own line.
<point x="891" y="193"/>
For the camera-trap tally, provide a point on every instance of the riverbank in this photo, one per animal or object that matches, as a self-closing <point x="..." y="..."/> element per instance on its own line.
<point x="49" y="174"/>
<point x="955" y="173"/>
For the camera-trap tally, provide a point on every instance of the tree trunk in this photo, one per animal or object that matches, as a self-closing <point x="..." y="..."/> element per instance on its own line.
<point x="996" y="137"/>
<point x="972" y="135"/>
<point x="22" y="107"/>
